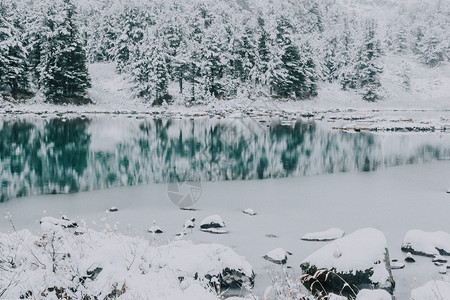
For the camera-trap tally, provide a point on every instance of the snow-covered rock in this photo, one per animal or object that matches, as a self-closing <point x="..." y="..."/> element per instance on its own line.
<point x="155" y="228"/>
<point x="189" y="224"/>
<point x="213" y="224"/>
<point x="432" y="290"/>
<point x="426" y="243"/>
<point x="359" y="260"/>
<point x="277" y="256"/>
<point x="113" y="209"/>
<point x="249" y="212"/>
<point x="439" y="259"/>
<point x="206" y="261"/>
<point x="50" y="223"/>
<point x="327" y="235"/>
<point x="409" y="258"/>
<point x="395" y="265"/>
<point x="366" y="294"/>
<point x="214" y="221"/>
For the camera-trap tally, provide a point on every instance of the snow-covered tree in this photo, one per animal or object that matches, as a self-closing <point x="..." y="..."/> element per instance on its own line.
<point x="149" y="73"/>
<point x="63" y="69"/>
<point x="368" y="68"/>
<point x="14" y="77"/>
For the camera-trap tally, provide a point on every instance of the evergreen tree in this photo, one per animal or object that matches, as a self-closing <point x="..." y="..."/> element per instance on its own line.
<point x="263" y="46"/>
<point x="64" y="75"/>
<point x="367" y="67"/>
<point x="149" y="74"/>
<point x="299" y="76"/>
<point x="132" y="33"/>
<point x="13" y="64"/>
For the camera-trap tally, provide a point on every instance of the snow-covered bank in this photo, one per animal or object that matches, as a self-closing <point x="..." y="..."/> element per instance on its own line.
<point x="111" y="94"/>
<point x="393" y="200"/>
<point x="61" y="263"/>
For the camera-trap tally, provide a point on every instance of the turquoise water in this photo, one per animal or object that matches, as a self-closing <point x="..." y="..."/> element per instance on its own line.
<point x="67" y="155"/>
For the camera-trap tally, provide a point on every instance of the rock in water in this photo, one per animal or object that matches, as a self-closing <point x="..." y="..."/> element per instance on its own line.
<point x="249" y="212"/>
<point x="277" y="256"/>
<point x="424" y="243"/>
<point x="409" y="258"/>
<point x="155" y="229"/>
<point x="213" y="224"/>
<point x="395" y="265"/>
<point x="327" y="235"/>
<point x="189" y="224"/>
<point x="214" y="221"/>
<point x="363" y="262"/>
<point x="367" y="294"/>
<point x="439" y="259"/>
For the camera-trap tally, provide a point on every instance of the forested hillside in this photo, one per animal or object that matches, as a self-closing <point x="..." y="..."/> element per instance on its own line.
<point x="205" y="50"/>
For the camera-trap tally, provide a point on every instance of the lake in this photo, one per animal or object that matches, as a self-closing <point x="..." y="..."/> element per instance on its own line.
<point x="52" y="155"/>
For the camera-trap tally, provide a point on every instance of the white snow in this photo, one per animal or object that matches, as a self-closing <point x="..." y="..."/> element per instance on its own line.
<point x="366" y="294"/>
<point x="327" y="235"/>
<point x="432" y="290"/>
<point x="128" y="263"/>
<point x="427" y="242"/>
<point x="361" y="250"/>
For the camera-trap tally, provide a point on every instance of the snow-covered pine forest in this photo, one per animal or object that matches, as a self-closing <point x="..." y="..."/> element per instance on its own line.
<point x="202" y="51"/>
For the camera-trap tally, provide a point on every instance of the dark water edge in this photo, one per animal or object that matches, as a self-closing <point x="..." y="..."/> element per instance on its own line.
<point x="69" y="155"/>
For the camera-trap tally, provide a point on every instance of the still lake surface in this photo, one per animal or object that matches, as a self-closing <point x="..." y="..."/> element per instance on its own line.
<point x="71" y="154"/>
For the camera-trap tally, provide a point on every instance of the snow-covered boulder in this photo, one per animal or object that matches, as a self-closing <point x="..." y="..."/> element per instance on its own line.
<point x="205" y="261"/>
<point x="327" y="235"/>
<point x="213" y="224"/>
<point x="366" y="294"/>
<point x="277" y="256"/>
<point x="409" y="258"/>
<point x="249" y="212"/>
<point x="432" y="290"/>
<point x="359" y="260"/>
<point x="395" y="265"/>
<point x="426" y="243"/>
<point x="155" y="228"/>
<point x="51" y="224"/>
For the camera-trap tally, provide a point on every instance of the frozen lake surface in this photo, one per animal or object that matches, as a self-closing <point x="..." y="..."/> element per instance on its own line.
<point x="393" y="200"/>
